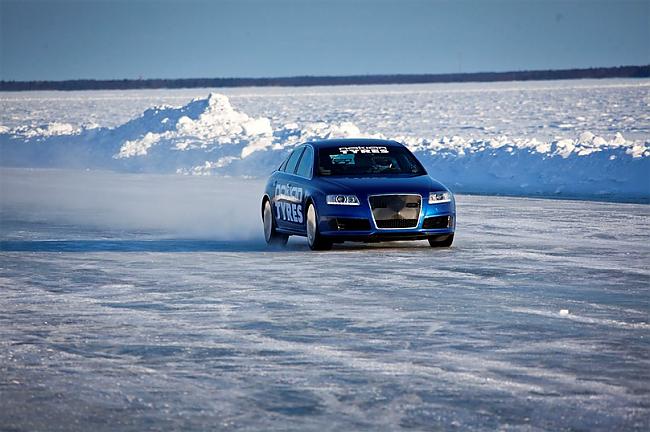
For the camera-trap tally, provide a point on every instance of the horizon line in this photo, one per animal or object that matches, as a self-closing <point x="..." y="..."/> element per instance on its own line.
<point x="626" y="71"/>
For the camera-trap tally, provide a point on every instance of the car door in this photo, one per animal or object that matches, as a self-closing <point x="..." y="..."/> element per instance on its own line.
<point x="288" y="195"/>
<point x="302" y="183"/>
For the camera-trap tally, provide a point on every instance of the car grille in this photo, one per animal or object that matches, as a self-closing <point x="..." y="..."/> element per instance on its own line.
<point x="396" y="211"/>
<point x="437" y="222"/>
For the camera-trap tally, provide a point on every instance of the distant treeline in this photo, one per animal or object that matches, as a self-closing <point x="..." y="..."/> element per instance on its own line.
<point x="298" y="81"/>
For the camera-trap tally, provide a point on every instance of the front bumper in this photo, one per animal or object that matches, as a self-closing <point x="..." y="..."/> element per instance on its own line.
<point x="355" y="223"/>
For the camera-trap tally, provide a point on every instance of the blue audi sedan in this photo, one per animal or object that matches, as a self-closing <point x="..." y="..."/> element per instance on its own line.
<point x="367" y="190"/>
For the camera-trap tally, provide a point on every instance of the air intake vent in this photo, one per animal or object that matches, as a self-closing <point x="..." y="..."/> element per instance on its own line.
<point x="437" y="222"/>
<point x="350" y="224"/>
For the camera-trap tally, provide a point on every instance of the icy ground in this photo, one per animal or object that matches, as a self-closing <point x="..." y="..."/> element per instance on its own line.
<point x="581" y="138"/>
<point x="536" y="319"/>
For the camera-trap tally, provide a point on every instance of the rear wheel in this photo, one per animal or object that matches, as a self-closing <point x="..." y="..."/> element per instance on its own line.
<point x="272" y="237"/>
<point x="441" y="241"/>
<point x="314" y="239"/>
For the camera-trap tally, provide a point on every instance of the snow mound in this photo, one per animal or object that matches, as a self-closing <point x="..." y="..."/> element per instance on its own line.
<point x="202" y="124"/>
<point x="213" y="131"/>
<point x="209" y="136"/>
<point x="585" y="144"/>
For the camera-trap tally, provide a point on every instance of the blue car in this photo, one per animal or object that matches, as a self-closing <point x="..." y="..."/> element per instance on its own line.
<point x="368" y="190"/>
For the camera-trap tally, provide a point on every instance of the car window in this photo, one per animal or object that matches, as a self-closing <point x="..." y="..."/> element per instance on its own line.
<point x="293" y="160"/>
<point x="369" y="161"/>
<point x="306" y="161"/>
<point x="284" y="165"/>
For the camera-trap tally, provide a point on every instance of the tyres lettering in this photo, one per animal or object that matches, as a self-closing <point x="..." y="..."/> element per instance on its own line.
<point x="363" y="149"/>
<point x="288" y="203"/>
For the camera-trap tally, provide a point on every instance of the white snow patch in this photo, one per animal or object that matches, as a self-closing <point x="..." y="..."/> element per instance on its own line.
<point x="607" y="322"/>
<point x="208" y="167"/>
<point x="138" y="147"/>
<point x="41" y="132"/>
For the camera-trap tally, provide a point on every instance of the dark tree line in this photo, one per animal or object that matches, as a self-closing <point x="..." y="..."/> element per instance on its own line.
<point x="297" y="81"/>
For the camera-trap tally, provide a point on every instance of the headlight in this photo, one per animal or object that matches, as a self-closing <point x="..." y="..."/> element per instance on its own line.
<point x="343" y="200"/>
<point x="439" y="197"/>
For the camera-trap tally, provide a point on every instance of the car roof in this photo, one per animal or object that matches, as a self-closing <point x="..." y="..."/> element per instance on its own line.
<point x="352" y="142"/>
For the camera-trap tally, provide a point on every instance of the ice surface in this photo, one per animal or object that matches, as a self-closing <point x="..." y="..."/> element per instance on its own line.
<point x="586" y="138"/>
<point x="149" y="302"/>
<point x="117" y="321"/>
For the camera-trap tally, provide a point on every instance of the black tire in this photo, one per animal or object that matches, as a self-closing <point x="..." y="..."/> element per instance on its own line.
<point x="441" y="241"/>
<point x="271" y="235"/>
<point x="314" y="239"/>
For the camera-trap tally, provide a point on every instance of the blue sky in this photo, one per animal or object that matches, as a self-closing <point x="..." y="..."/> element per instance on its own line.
<point x="59" y="39"/>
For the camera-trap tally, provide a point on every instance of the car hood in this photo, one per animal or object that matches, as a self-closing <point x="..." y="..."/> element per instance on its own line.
<point x="376" y="185"/>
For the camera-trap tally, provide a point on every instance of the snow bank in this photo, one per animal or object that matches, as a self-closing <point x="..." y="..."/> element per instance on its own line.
<point x="209" y="136"/>
<point x="202" y="124"/>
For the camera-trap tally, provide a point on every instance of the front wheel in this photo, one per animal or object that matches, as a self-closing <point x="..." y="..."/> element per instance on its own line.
<point x="441" y="241"/>
<point x="271" y="235"/>
<point x="314" y="239"/>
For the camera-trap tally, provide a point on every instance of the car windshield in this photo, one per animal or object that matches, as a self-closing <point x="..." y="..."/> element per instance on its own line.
<point x="362" y="161"/>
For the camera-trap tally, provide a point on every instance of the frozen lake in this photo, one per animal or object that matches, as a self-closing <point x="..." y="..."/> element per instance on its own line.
<point x="567" y="139"/>
<point x="133" y="302"/>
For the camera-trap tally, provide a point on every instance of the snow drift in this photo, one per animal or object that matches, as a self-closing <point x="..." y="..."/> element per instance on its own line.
<point x="209" y="136"/>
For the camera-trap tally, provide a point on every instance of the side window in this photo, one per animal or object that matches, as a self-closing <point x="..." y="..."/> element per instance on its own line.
<point x="293" y="160"/>
<point x="307" y="160"/>
<point x="284" y="165"/>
